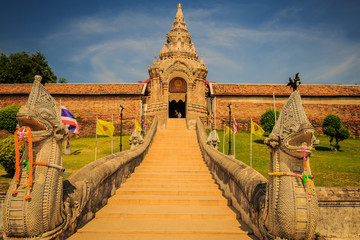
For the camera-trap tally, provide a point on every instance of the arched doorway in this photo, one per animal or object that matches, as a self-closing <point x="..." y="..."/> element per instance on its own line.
<point x="177" y="97"/>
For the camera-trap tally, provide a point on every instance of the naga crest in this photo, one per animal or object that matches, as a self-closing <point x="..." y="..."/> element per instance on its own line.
<point x="34" y="205"/>
<point x="41" y="113"/>
<point x="293" y="130"/>
<point x="291" y="208"/>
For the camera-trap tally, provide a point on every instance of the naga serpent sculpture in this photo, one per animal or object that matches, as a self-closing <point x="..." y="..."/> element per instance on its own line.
<point x="291" y="207"/>
<point x="34" y="206"/>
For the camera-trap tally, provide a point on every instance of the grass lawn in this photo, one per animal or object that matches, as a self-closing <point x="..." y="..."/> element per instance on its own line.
<point x="83" y="151"/>
<point x="330" y="168"/>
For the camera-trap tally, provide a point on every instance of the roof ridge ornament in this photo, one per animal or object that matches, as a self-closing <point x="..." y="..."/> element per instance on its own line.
<point x="294" y="83"/>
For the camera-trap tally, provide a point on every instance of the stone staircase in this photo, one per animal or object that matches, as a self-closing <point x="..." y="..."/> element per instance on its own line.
<point x="171" y="195"/>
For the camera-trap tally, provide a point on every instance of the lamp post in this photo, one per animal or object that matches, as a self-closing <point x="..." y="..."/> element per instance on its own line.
<point x="121" y="108"/>
<point x="229" y="106"/>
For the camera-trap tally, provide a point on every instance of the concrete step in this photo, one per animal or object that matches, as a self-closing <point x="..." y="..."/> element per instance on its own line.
<point x="166" y="211"/>
<point x="169" y="191"/>
<point x="166" y="185"/>
<point x="171" y="175"/>
<point x="172" y="169"/>
<point x="159" y="236"/>
<point x="170" y="181"/>
<point x="164" y="226"/>
<point x="188" y="164"/>
<point x="168" y="200"/>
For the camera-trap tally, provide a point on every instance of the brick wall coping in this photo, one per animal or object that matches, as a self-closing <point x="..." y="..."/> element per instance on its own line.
<point x="230" y="89"/>
<point x="77" y="88"/>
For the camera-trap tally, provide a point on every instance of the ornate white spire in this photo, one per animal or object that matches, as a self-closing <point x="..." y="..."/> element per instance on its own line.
<point x="178" y="40"/>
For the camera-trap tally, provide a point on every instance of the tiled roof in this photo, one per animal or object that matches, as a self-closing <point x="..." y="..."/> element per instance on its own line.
<point x="282" y="90"/>
<point x="76" y="88"/>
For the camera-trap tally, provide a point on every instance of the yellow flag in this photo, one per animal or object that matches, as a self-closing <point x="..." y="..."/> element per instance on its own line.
<point x="227" y="131"/>
<point x="104" y="128"/>
<point x="137" y="126"/>
<point x="256" y="129"/>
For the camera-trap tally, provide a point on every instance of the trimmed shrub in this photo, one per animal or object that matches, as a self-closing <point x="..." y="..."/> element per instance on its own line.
<point x="8" y="118"/>
<point x="332" y="127"/>
<point x="7" y="154"/>
<point x="267" y="120"/>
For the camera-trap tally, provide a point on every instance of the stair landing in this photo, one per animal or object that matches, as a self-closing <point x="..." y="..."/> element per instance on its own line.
<point x="171" y="195"/>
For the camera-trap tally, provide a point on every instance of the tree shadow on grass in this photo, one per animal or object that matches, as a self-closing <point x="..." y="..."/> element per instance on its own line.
<point x="323" y="149"/>
<point x="76" y="152"/>
<point x="259" y="141"/>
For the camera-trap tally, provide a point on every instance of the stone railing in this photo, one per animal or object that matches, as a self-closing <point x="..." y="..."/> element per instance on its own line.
<point x="88" y="189"/>
<point x="244" y="186"/>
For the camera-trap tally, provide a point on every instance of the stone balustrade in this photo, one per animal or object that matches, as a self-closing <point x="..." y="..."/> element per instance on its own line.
<point x="244" y="186"/>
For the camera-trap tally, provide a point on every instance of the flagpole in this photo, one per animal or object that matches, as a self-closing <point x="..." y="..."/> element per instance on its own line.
<point x="224" y="141"/>
<point x="60" y="108"/>
<point x="251" y="132"/>
<point x="112" y="136"/>
<point x="274" y="107"/>
<point x="234" y="144"/>
<point x="215" y="111"/>
<point x="96" y="138"/>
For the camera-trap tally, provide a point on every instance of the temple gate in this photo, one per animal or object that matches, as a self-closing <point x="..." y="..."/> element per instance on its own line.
<point x="177" y="79"/>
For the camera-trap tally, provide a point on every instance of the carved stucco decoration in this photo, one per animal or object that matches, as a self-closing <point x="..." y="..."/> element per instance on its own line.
<point x="43" y="213"/>
<point x="178" y="85"/>
<point x="291" y="207"/>
<point x="135" y="139"/>
<point x="213" y="140"/>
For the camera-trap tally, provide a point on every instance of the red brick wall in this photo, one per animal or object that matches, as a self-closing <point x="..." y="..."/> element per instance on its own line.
<point x="316" y="110"/>
<point x="249" y="101"/>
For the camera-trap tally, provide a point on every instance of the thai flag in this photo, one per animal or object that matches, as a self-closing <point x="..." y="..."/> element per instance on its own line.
<point x="69" y="120"/>
<point x="235" y="126"/>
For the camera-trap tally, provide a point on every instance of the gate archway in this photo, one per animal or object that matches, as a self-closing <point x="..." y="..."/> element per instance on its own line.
<point x="177" y="97"/>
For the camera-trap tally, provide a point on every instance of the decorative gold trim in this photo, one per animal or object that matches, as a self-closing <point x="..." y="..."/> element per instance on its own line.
<point x="177" y="97"/>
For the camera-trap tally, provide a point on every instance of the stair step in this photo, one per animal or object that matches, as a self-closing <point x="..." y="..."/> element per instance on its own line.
<point x="161" y="191"/>
<point x="171" y="176"/>
<point x="179" y="186"/>
<point x="166" y="211"/>
<point x="158" y="236"/>
<point x="163" y="226"/>
<point x="168" y="200"/>
<point x="165" y="180"/>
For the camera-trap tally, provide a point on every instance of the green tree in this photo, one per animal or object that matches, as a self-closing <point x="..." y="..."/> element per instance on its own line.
<point x="62" y="80"/>
<point x="22" y="67"/>
<point x="8" y="118"/>
<point x="267" y="120"/>
<point x="332" y="127"/>
<point x="7" y="154"/>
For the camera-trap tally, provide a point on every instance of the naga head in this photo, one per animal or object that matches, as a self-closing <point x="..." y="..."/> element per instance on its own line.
<point x="293" y="133"/>
<point x="41" y="114"/>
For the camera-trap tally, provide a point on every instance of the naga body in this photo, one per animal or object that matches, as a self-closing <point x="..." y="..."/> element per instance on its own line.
<point x="291" y="206"/>
<point x="35" y="207"/>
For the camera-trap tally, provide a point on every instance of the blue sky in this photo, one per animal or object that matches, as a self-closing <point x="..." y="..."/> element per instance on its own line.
<point x="251" y="41"/>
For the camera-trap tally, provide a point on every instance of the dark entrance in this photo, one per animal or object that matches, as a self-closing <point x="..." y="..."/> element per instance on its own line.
<point x="177" y="97"/>
<point x="179" y="107"/>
